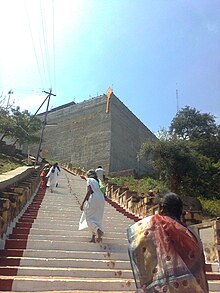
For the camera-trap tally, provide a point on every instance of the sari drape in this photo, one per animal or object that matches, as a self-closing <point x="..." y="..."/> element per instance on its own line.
<point x="166" y="257"/>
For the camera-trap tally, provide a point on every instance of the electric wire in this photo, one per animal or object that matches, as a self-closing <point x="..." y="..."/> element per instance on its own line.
<point x="34" y="48"/>
<point x="45" y="42"/>
<point x="42" y="51"/>
<point x="20" y="89"/>
<point x="54" y="51"/>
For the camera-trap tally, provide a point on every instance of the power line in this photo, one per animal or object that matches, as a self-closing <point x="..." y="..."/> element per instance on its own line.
<point x="5" y="87"/>
<point x="45" y="42"/>
<point x="42" y="52"/>
<point x="32" y="38"/>
<point x="54" y="56"/>
<point x="44" y="67"/>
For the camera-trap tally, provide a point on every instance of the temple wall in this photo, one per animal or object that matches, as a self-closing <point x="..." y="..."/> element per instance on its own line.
<point x="86" y="136"/>
<point x="81" y="135"/>
<point x="128" y="134"/>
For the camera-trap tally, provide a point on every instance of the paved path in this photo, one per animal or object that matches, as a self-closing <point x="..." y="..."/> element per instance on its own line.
<point x="46" y="252"/>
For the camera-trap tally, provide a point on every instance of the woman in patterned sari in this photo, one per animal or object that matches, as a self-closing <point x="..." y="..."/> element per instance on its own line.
<point x="165" y="255"/>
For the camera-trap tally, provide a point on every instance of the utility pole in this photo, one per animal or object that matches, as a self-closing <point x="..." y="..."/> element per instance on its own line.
<point x="49" y="94"/>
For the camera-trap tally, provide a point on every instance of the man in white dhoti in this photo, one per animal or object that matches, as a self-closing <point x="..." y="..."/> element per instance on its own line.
<point x="93" y="207"/>
<point x="52" y="177"/>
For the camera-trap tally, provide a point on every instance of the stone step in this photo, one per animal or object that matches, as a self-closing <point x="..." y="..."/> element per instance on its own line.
<point x="62" y="232"/>
<point x="110" y="211"/>
<point x="28" y="216"/>
<point x="60" y="206"/>
<point x="212" y="267"/>
<point x="111" y="214"/>
<point x="214" y="286"/>
<point x="213" y="276"/>
<point x="71" y="291"/>
<point x="80" y="238"/>
<point x="64" y="245"/>
<point x="64" y="263"/>
<point x="64" y="226"/>
<point x="67" y="203"/>
<point x="64" y="254"/>
<point x="66" y="222"/>
<point x="37" y="283"/>
<point x="69" y="218"/>
<point x="127" y="220"/>
<point x="65" y="284"/>
<point x="65" y="272"/>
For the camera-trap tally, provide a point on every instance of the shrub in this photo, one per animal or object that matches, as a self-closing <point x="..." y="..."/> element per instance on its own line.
<point x="211" y="207"/>
<point x="139" y="185"/>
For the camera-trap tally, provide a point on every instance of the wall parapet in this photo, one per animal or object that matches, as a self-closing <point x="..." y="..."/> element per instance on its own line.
<point x="16" y="190"/>
<point x="12" y="177"/>
<point x="209" y="232"/>
<point x="146" y="205"/>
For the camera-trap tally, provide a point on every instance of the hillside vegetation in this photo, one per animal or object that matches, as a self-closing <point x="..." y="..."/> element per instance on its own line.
<point x="211" y="206"/>
<point x="8" y="163"/>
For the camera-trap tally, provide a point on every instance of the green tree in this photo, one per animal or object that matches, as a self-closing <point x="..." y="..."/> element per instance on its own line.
<point x="202" y="132"/>
<point x="7" y="124"/>
<point x="187" y="157"/>
<point x="26" y="127"/>
<point x="19" y="125"/>
<point x="190" y="123"/>
<point x="174" y="160"/>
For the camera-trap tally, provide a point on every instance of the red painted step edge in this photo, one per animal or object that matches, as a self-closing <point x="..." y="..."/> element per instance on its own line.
<point x="15" y="247"/>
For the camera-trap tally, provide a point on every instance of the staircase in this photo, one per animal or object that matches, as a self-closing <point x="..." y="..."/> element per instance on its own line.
<point x="46" y="253"/>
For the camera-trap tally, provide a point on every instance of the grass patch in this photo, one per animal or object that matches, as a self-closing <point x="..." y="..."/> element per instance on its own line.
<point x="8" y="163"/>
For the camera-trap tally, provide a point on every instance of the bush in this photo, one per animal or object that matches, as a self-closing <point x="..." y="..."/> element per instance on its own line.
<point x="211" y="207"/>
<point x="139" y="185"/>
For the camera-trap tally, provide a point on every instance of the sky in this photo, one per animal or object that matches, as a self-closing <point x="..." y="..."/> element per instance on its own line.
<point x="158" y="55"/>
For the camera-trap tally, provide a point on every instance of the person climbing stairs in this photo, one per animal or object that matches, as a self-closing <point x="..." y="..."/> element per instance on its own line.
<point x="46" y="252"/>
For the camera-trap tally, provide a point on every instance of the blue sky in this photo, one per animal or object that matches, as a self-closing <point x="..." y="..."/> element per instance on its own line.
<point x="143" y="49"/>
